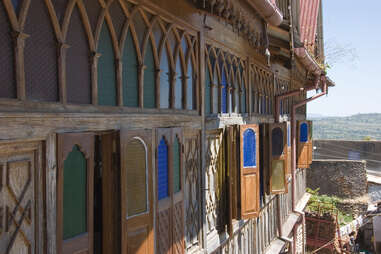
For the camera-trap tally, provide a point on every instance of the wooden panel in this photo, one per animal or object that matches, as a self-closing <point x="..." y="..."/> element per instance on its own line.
<point x="289" y="159"/>
<point x="249" y="170"/>
<point x="215" y="168"/>
<point x="178" y="245"/>
<point x="192" y="189"/>
<point x="310" y="143"/>
<point x="278" y="157"/>
<point x="233" y="172"/>
<point x="137" y="230"/>
<point x="111" y="192"/>
<point x="18" y="199"/>
<point x="302" y="144"/>
<point x="65" y="145"/>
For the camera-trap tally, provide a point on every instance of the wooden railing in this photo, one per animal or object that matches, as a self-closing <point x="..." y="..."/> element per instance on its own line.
<point x="255" y="235"/>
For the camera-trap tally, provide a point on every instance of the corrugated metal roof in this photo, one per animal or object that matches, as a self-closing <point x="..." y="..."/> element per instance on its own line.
<point x="309" y="11"/>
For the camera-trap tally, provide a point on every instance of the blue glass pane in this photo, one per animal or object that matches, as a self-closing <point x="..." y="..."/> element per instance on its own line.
<point x="303" y="133"/>
<point x="249" y="148"/>
<point x="162" y="164"/>
<point x="277" y="142"/>
<point x="223" y="93"/>
<point x="16" y="5"/>
<point x="288" y="135"/>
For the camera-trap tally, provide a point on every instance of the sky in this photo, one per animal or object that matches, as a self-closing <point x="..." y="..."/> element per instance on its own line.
<point x="356" y="26"/>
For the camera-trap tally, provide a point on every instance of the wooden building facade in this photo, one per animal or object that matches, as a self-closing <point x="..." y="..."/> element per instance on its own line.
<point x="131" y="126"/>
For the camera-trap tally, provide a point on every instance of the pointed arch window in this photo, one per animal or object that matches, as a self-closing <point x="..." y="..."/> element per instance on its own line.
<point x="130" y="73"/>
<point x="149" y="93"/>
<point x="106" y="69"/>
<point x="165" y="79"/>
<point x="78" y="69"/>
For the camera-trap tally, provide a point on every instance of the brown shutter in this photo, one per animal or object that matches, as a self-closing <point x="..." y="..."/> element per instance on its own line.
<point x="310" y="143"/>
<point x="232" y="173"/>
<point x="302" y="148"/>
<point x="110" y="192"/>
<point x="278" y="158"/>
<point x="249" y="172"/>
<point x="289" y="145"/>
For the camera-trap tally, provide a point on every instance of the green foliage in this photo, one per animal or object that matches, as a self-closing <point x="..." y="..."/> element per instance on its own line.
<point x="356" y="127"/>
<point x="327" y="204"/>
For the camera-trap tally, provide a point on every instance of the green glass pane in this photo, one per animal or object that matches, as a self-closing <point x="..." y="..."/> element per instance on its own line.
<point x="106" y="70"/>
<point x="207" y="91"/>
<point x="149" y="79"/>
<point x="74" y="194"/>
<point x="277" y="175"/>
<point x="176" y="166"/>
<point x="130" y="74"/>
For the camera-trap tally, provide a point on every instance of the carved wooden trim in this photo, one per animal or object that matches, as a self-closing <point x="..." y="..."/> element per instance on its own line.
<point x="19" y="42"/>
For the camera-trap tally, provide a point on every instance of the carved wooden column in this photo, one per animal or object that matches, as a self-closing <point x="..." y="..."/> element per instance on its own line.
<point x="157" y="86"/>
<point x="62" y="47"/>
<point x="19" y="42"/>
<point x="119" y="82"/>
<point x="94" y="77"/>
<point x="141" y="68"/>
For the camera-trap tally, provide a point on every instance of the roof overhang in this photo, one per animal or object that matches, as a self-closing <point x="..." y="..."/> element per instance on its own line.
<point x="308" y="61"/>
<point x="268" y="10"/>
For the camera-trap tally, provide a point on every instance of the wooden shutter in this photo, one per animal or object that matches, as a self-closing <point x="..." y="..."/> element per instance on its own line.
<point x="249" y="171"/>
<point x="137" y="225"/>
<point x="75" y="193"/>
<point x="310" y="143"/>
<point x="278" y="158"/>
<point x="232" y="173"/>
<point x="289" y="145"/>
<point x="110" y="192"/>
<point x="302" y="148"/>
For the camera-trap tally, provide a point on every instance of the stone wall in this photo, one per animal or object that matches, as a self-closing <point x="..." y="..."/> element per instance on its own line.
<point x="342" y="178"/>
<point x="351" y="150"/>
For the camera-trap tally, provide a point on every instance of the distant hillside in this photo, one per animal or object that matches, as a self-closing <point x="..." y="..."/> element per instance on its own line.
<point x="356" y="127"/>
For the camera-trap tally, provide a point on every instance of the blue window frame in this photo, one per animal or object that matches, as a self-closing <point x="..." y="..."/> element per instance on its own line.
<point x="249" y="149"/>
<point x="162" y="163"/>
<point x="303" y="132"/>
<point x="288" y="135"/>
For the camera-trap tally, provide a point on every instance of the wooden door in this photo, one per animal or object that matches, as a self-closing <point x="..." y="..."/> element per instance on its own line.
<point x="75" y="193"/>
<point x="249" y="171"/>
<point x="278" y="158"/>
<point x="20" y="210"/>
<point x="136" y="192"/>
<point x="111" y="223"/>
<point x="170" y="206"/>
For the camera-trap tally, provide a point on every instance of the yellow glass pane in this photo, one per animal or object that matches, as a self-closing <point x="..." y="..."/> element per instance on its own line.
<point x="277" y="175"/>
